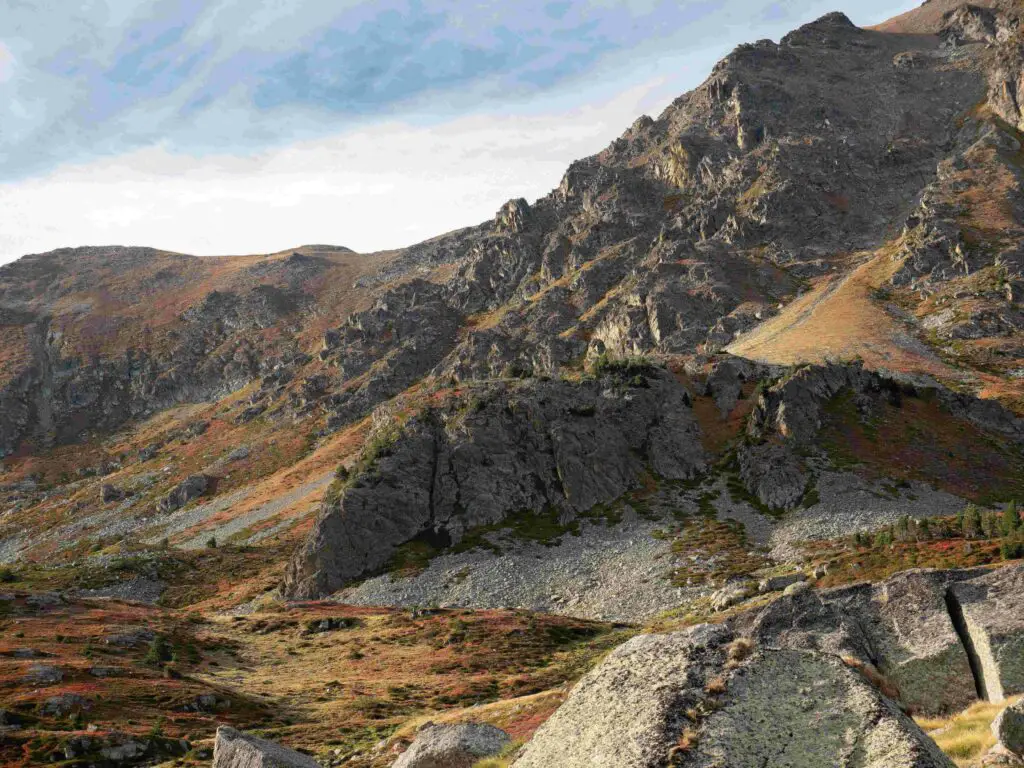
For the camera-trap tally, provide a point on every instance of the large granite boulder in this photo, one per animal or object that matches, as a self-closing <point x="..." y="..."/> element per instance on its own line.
<point x="453" y="746"/>
<point x="992" y="610"/>
<point x="233" y="749"/>
<point x="941" y="639"/>
<point x="693" y="698"/>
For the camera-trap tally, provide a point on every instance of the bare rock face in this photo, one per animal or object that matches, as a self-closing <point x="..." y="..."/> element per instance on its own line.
<point x="941" y="639"/>
<point x="992" y="625"/>
<point x="693" y="699"/>
<point x="233" y="749"/>
<point x="541" y="445"/>
<point x="789" y="415"/>
<point x="453" y="746"/>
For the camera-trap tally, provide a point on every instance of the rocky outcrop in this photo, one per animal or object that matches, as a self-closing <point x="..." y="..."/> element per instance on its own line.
<point x="699" y="698"/>
<point x="538" y="445"/>
<point x="942" y="639"/>
<point x="785" y="423"/>
<point x="453" y="746"/>
<point x="233" y="749"/>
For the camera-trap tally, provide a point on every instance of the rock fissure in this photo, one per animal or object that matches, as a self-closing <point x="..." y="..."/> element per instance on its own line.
<point x="983" y="670"/>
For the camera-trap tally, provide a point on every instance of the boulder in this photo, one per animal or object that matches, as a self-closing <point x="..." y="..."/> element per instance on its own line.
<point x="192" y="487"/>
<point x="729" y="595"/>
<point x="110" y="493"/>
<point x="64" y="704"/>
<point x="453" y="746"/>
<point x="44" y="674"/>
<point x="687" y="698"/>
<point x="938" y="637"/>
<point x="1008" y="728"/>
<point x="233" y="749"/>
<point x="992" y="608"/>
<point x="778" y="583"/>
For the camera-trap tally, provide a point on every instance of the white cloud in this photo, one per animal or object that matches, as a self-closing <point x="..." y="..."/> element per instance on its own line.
<point x="370" y="189"/>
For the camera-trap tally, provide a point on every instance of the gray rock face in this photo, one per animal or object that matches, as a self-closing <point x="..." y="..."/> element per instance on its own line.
<point x="941" y="638"/>
<point x="992" y="606"/>
<point x="233" y="749"/>
<point x="677" y="699"/>
<point x="453" y="746"/>
<point x="541" y="445"/>
<point x="1008" y="728"/>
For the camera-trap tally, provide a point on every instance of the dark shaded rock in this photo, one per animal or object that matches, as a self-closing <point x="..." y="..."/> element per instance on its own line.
<point x="64" y="704"/>
<point x="192" y="487"/>
<point x="44" y="674"/>
<point x="110" y="493"/>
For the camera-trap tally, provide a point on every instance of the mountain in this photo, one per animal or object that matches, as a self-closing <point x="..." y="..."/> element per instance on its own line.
<point x="773" y="336"/>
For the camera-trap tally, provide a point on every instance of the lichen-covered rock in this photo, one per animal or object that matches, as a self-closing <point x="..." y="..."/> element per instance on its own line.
<point x="453" y="746"/>
<point x="1008" y="728"/>
<point x="678" y="699"/>
<point x="540" y="445"/>
<point x="938" y="637"/>
<point x="233" y="749"/>
<point x="992" y="607"/>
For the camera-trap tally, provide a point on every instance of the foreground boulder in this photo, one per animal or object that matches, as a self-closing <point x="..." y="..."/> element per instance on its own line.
<point x="941" y="639"/>
<point x="537" y="445"/>
<point x="704" y="698"/>
<point x="453" y="746"/>
<point x="233" y="749"/>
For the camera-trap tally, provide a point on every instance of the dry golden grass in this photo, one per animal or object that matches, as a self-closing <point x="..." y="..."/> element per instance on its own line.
<point x="924" y="20"/>
<point x="839" y="320"/>
<point x="965" y="736"/>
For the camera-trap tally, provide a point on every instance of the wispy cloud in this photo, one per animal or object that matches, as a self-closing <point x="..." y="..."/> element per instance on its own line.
<point x="176" y="122"/>
<point x="98" y="78"/>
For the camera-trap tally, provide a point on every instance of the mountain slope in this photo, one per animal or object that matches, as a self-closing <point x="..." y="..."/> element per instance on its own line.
<point x="843" y="195"/>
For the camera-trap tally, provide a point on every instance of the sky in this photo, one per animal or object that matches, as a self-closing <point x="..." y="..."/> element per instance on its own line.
<point x="251" y="126"/>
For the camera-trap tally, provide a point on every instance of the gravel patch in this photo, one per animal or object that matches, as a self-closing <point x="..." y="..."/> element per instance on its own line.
<point x="271" y="509"/>
<point x="616" y="573"/>
<point x="850" y="504"/>
<point x="191" y="517"/>
<point x="138" y="590"/>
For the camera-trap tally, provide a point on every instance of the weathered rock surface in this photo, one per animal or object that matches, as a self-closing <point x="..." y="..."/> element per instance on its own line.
<point x="537" y="446"/>
<point x="1008" y="728"/>
<point x="453" y="746"/>
<point x="941" y="638"/>
<point x="678" y="700"/>
<point x="233" y="749"/>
